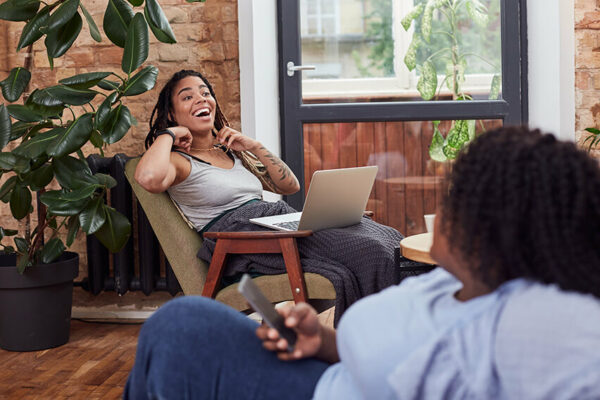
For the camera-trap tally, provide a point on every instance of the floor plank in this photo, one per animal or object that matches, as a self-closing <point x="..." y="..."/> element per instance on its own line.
<point x="93" y="365"/>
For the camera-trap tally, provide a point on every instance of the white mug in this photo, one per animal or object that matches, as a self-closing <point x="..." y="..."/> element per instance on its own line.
<point x="429" y="221"/>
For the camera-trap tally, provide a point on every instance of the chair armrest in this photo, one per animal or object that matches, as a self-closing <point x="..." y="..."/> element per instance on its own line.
<point x="256" y="235"/>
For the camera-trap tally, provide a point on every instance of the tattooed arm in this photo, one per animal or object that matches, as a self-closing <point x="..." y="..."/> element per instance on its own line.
<point x="278" y="173"/>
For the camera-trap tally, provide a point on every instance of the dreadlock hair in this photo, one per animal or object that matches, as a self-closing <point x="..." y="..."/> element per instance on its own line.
<point x="522" y="204"/>
<point x="161" y="119"/>
<point x="161" y="114"/>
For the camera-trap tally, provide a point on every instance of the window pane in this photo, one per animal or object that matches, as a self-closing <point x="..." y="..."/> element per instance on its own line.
<point x="364" y="52"/>
<point x="409" y="183"/>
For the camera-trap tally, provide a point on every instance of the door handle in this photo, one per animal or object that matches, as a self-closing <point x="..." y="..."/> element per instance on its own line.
<point x="291" y="68"/>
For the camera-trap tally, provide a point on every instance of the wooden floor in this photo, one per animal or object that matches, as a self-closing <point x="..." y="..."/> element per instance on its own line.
<point x="93" y="365"/>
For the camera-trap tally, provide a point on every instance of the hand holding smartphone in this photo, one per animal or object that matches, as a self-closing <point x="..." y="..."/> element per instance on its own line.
<point x="260" y="304"/>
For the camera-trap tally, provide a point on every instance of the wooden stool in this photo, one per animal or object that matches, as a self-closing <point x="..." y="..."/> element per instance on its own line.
<point x="255" y="243"/>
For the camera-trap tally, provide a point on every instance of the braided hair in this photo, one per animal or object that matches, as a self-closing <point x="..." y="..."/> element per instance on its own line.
<point x="525" y="205"/>
<point x="161" y="119"/>
<point x="161" y="114"/>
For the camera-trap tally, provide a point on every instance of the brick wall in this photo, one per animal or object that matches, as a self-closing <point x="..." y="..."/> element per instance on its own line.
<point x="587" y="67"/>
<point x="207" y="39"/>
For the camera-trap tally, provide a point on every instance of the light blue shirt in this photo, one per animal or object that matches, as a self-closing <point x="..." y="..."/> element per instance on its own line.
<point x="416" y="341"/>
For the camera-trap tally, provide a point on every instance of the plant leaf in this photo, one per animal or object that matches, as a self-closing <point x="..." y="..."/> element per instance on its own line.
<point x="19" y="10"/>
<point x="58" y="41"/>
<point x="59" y="202"/>
<point x="16" y="82"/>
<point x="52" y="250"/>
<point x="63" y="14"/>
<point x="117" y="124"/>
<point x="106" y="180"/>
<point x="427" y="83"/>
<point x="115" y="231"/>
<point x="141" y="82"/>
<point x="31" y="32"/>
<point x="93" y="216"/>
<point x="158" y="22"/>
<point x="436" y="151"/>
<point x="136" y="44"/>
<point x="21" y="244"/>
<point x="38" y="179"/>
<point x="84" y="81"/>
<point x="495" y="87"/>
<point x="478" y="12"/>
<point x="20" y="201"/>
<point x="410" y="58"/>
<point x="108" y="85"/>
<point x="471" y="125"/>
<point x="72" y="173"/>
<point x="72" y="229"/>
<point x="104" y="111"/>
<point x="5" y="127"/>
<point x="413" y="14"/>
<point x="116" y="21"/>
<point x="136" y="3"/>
<point x="75" y="136"/>
<point x="94" y="31"/>
<point x="8" y="186"/>
<point x="23" y="262"/>
<point x="38" y="145"/>
<point x="23" y="113"/>
<point x="56" y="95"/>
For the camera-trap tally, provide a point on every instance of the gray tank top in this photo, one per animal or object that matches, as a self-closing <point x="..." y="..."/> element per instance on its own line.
<point x="208" y="191"/>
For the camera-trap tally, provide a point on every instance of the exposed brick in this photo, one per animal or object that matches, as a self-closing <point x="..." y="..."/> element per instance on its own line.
<point x="172" y="52"/>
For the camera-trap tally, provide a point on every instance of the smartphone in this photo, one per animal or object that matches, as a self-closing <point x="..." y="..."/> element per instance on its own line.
<point x="261" y="305"/>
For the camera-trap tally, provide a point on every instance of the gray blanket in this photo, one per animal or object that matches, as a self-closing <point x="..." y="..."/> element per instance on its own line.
<point x="358" y="260"/>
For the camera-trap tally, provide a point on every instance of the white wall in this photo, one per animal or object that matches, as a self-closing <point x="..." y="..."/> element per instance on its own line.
<point x="551" y="36"/>
<point x="551" y="40"/>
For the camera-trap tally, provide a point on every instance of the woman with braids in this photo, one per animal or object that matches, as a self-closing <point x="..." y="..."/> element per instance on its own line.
<point x="513" y="311"/>
<point x="216" y="176"/>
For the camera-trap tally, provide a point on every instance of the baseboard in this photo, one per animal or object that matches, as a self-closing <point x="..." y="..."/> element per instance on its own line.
<point x="96" y="314"/>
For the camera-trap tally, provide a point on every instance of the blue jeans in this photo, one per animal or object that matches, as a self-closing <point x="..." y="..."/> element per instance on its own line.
<point x="197" y="348"/>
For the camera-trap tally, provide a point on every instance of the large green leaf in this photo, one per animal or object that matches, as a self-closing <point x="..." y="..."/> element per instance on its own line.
<point x="58" y="41"/>
<point x="94" y="31"/>
<point x="106" y="180"/>
<point x="46" y="112"/>
<point x="7" y="232"/>
<point x="72" y="173"/>
<point x="136" y="3"/>
<point x="60" y="203"/>
<point x="104" y="111"/>
<point x="427" y="83"/>
<point x="75" y="136"/>
<point x="136" y="44"/>
<point x="72" y="229"/>
<point x="19" y="129"/>
<point x="141" y="82"/>
<point x="63" y="14"/>
<point x="436" y="148"/>
<point x="20" y="201"/>
<point x="93" y="216"/>
<point x="22" y="244"/>
<point x="116" y="21"/>
<point x="117" y="124"/>
<point x="159" y="24"/>
<point x="15" y="84"/>
<point x="56" y="95"/>
<point x="39" y="144"/>
<point x="52" y="250"/>
<point x="14" y="162"/>
<point x="84" y="81"/>
<point x="108" y="85"/>
<point x="45" y="97"/>
<point x="31" y="32"/>
<point x="413" y="14"/>
<point x="8" y="186"/>
<point x="5" y="127"/>
<point x="23" y="113"/>
<point x="115" y="231"/>
<point x="19" y="10"/>
<point x="410" y="58"/>
<point x="40" y="178"/>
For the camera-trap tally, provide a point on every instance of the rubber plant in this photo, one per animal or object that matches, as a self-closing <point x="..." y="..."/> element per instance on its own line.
<point x="51" y="124"/>
<point x="593" y="138"/>
<point x="454" y="13"/>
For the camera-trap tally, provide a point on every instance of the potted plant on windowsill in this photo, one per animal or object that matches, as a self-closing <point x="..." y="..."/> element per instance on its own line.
<point x="41" y="143"/>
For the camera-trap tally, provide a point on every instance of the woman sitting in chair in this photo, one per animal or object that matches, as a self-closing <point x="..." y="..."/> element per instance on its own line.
<point x="210" y="171"/>
<point x="513" y="312"/>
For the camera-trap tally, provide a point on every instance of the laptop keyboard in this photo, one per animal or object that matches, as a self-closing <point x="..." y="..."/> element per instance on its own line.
<point x="291" y="225"/>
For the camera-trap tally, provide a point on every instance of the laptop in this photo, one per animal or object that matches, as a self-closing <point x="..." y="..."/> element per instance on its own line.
<point x="336" y="198"/>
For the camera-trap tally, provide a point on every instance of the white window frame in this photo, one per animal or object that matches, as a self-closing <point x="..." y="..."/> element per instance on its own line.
<point x="319" y="16"/>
